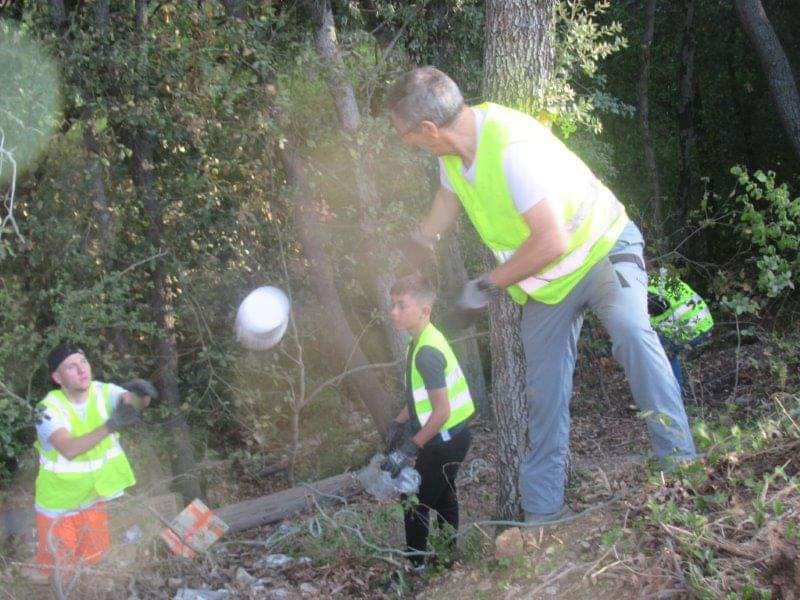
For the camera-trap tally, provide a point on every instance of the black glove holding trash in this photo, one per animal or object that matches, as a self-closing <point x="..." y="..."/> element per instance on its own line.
<point x="404" y="456"/>
<point x="397" y="434"/>
<point x="123" y="417"/>
<point x="142" y="388"/>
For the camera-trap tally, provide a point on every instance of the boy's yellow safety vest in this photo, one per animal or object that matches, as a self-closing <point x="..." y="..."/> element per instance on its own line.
<point x="592" y="216"/>
<point x="102" y="472"/>
<point x="461" y="405"/>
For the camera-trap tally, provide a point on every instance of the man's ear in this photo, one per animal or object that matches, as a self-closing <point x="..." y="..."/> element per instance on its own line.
<point x="429" y="128"/>
<point x="55" y="377"/>
<point x="427" y="309"/>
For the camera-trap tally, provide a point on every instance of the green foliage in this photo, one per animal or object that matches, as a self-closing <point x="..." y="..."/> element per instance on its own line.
<point x="575" y="94"/>
<point x="760" y="220"/>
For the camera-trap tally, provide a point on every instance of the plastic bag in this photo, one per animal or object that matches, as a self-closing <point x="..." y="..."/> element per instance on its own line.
<point x="382" y="485"/>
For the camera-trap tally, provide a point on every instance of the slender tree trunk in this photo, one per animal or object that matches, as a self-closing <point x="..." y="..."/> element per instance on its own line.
<point x="142" y="165"/>
<point x="743" y="113"/>
<point x="350" y="122"/>
<point x="343" y="345"/>
<point x="187" y="481"/>
<point x="686" y="133"/>
<point x="518" y="60"/>
<point x="644" y="117"/>
<point x="776" y="66"/>
<point x="58" y="15"/>
<point x="454" y="277"/>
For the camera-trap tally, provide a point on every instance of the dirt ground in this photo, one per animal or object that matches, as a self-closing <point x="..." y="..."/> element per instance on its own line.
<point x="595" y="556"/>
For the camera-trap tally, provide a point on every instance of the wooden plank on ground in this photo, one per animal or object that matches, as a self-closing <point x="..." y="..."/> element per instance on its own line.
<point x="286" y="503"/>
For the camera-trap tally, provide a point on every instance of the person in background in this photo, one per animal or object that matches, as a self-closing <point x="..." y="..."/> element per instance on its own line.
<point x="81" y="462"/>
<point x="679" y="315"/>
<point x="431" y="433"/>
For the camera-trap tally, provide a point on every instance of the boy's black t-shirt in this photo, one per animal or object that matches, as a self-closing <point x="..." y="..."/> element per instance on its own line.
<point x="430" y="363"/>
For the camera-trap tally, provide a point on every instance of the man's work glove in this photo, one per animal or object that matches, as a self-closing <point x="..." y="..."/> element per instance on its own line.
<point x="142" y="388"/>
<point x="397" y="434"/>
<point x="124" y="416"/>
<point x="404" y="456"/>
<point x="418" y="255"/>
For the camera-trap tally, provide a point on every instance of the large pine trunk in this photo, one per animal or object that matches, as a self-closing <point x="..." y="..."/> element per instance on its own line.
<point x="776" y="66"/>
<point x="518" y="59"/>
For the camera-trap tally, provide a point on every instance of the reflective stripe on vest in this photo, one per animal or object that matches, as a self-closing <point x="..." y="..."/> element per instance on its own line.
<point x="460" y="400"/>
<point x="101" y="472"/>
<point x="593" y="218"/>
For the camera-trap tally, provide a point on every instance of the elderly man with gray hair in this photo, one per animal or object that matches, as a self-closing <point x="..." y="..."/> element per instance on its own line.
<point x="563" y="244"/>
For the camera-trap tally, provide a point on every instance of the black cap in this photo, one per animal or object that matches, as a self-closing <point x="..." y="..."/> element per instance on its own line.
<point x="59" y="353"/>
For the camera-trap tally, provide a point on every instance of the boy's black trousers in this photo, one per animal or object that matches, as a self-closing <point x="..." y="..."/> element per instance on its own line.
<point x="437" y="466"/>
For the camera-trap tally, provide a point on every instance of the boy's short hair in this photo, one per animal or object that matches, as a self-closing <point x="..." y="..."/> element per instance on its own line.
<point x="417" y="285"/>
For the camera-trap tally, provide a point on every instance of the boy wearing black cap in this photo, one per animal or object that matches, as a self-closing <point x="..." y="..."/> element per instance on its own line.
<point x="81" y="464"/>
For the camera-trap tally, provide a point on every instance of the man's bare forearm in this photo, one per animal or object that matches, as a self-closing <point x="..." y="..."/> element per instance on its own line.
<point x="70" y="447"/>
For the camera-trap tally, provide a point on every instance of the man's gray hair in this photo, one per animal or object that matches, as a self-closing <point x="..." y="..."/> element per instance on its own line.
<point x="425" y="94"/>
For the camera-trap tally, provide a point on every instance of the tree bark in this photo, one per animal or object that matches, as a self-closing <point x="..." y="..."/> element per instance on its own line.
<point x="286" y="503"/>
<point x="776" y="66"/>
<point x="644" y="117"/>
<point x="344" y="98"/>
<point x="58" y="15"/>
<point x="518" y="60"/>
<point x="142" y="165"/>
<point x="686" y="134"/>
<point x="518" y="52"/>
<point x="454" y="276"/>
<point x="343" y="344"/>
<point x="187" y="481"/>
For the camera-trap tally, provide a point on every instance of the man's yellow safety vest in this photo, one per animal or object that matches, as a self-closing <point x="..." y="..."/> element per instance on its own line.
<point x="102" y="472"/>
<point x="592" y="216"/>
<point x="461" y="405"/>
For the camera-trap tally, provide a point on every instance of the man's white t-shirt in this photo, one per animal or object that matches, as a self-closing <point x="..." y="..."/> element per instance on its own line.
<point x="51" y="421"/>
<point x="529" y="180"/>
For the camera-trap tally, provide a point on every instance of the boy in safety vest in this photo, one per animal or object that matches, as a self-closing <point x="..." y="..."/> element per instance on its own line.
<point x="81" y="463"/>
<point x="679" y="315"/>
<point x="431" y="433"/>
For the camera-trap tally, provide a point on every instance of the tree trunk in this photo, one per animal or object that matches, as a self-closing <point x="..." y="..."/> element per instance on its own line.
<point x="187" y="481"/>
<point x="142" y="164"/>
<point x="454" y="276"/>
<point x="776" y="66"/>
<point x="644" y="117"/>
<point x="343" y="345"/>
<point x="518" y="60"/>
<point x="518" y="52"/>
<point x="686" y="134"/>
<point x="344" y="98"/>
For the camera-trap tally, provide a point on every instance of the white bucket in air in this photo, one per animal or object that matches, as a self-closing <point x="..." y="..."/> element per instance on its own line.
<point x="262" y="318"/>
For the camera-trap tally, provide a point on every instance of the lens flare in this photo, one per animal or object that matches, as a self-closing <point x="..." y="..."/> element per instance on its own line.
<point x="29" y="100"/>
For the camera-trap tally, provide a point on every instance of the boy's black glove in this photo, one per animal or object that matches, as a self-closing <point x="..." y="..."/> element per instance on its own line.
<point x="141" y="387"/>
<point x="404" y="456"/>
<point x="397" y="434"/>
<point x="124" y="416"/>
